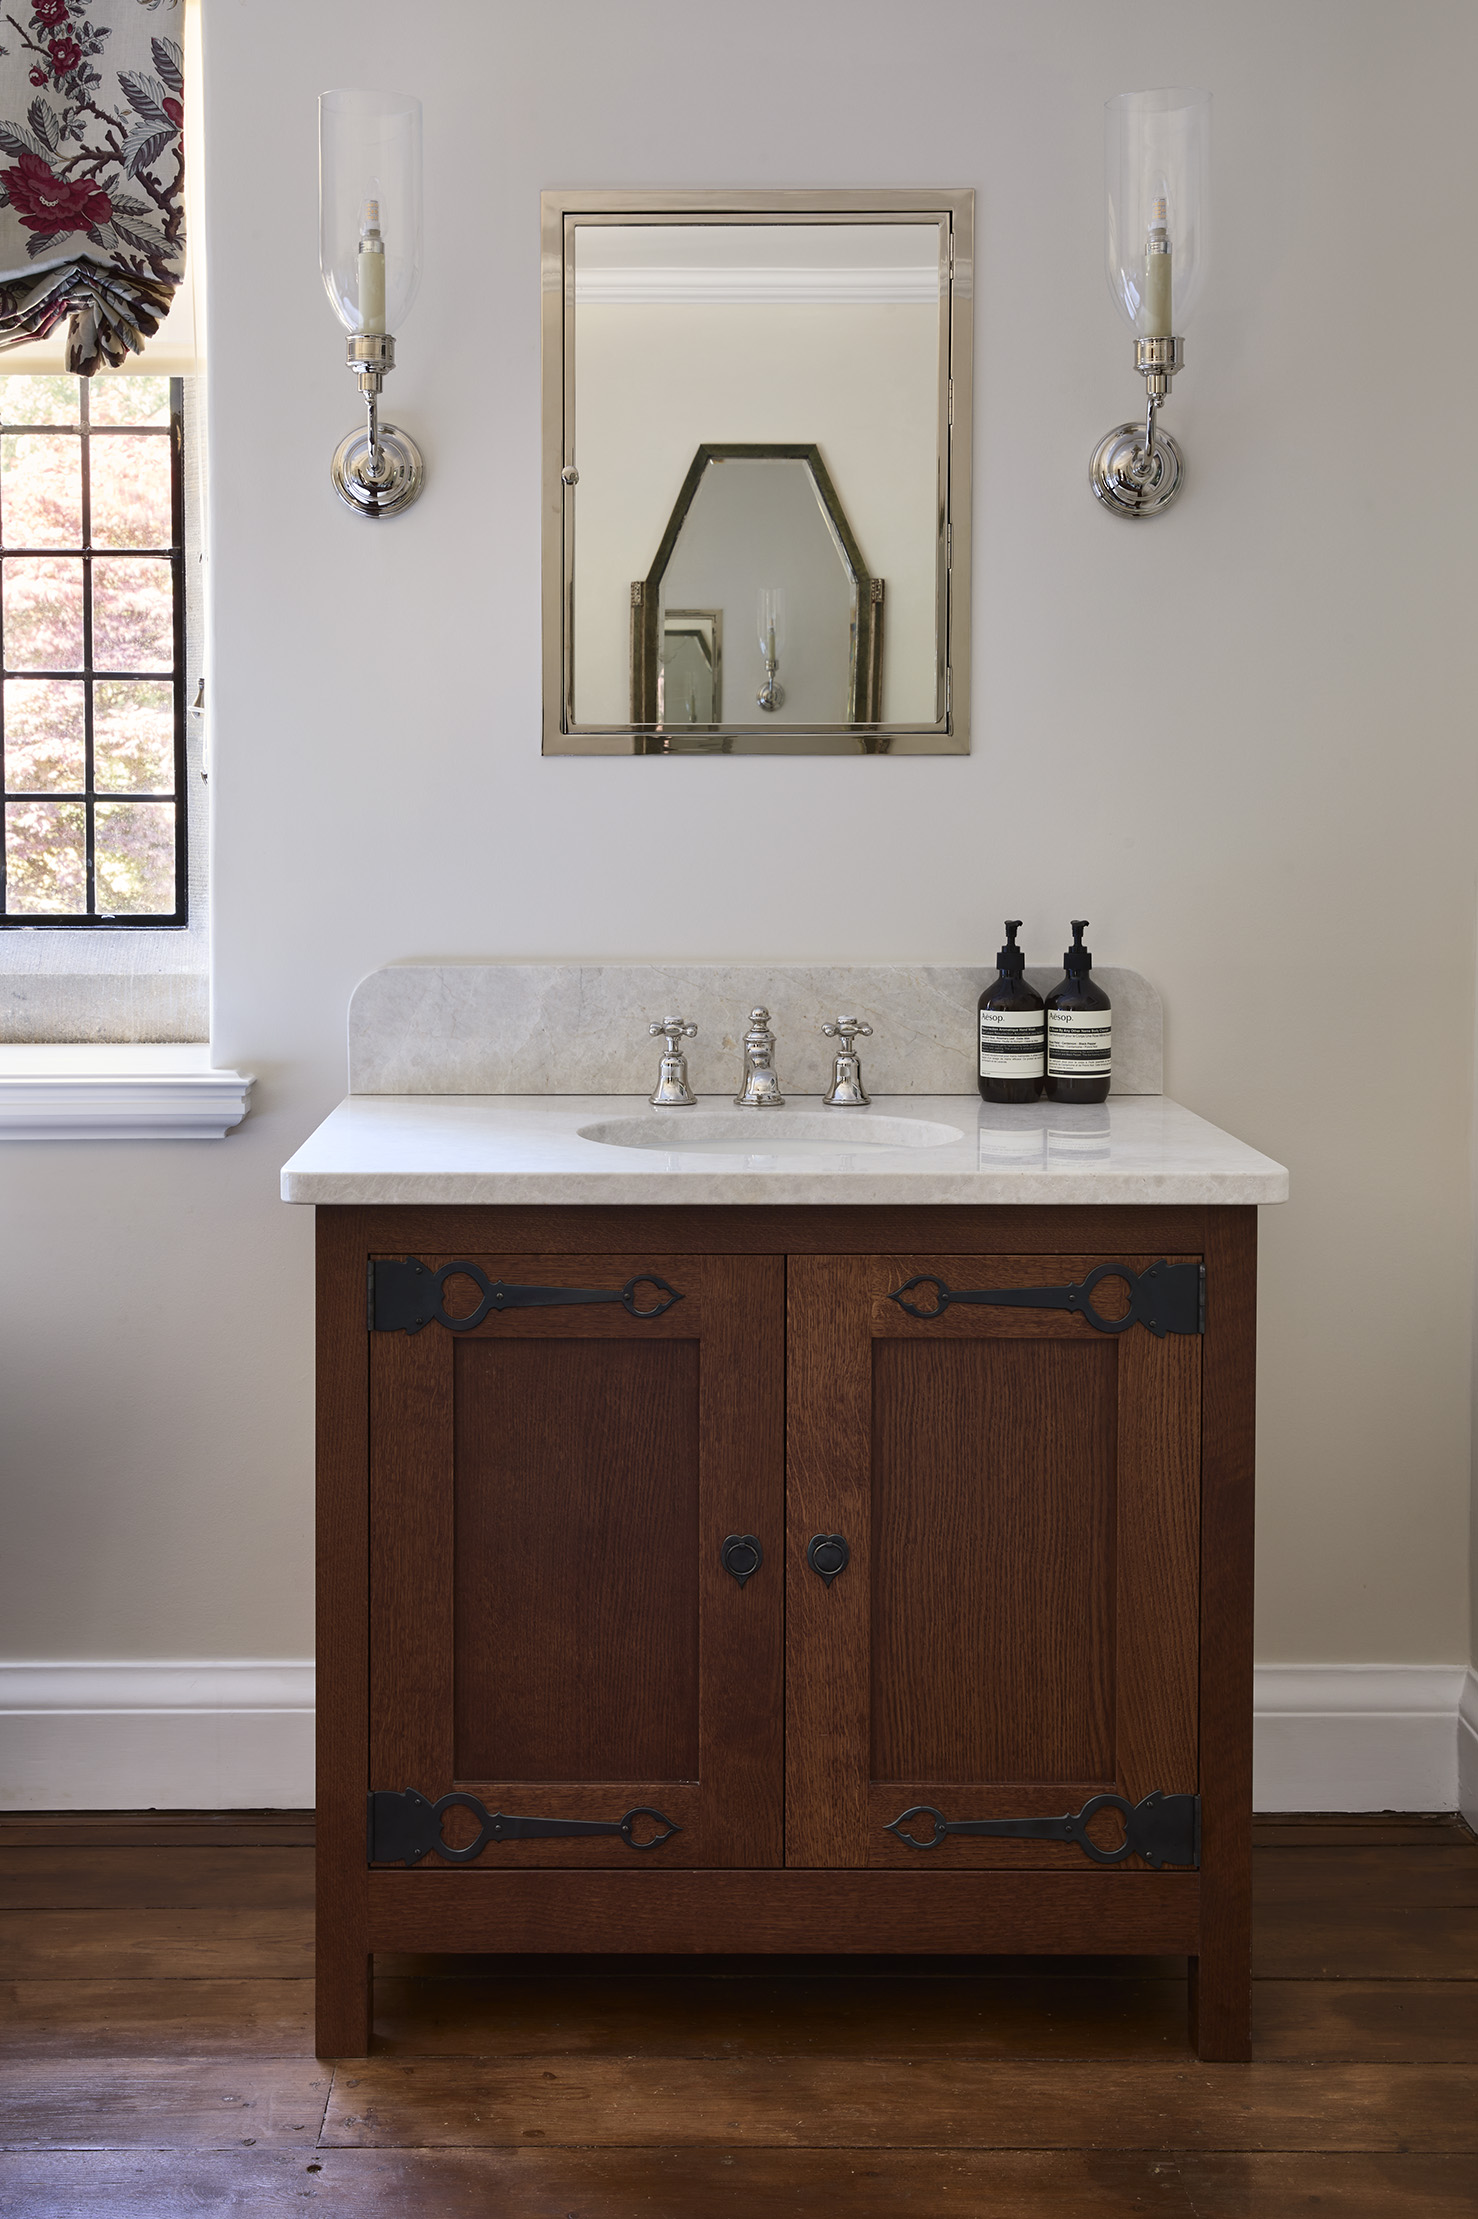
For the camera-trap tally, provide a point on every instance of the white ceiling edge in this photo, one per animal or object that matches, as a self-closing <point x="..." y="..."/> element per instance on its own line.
<point x="903" y="285"/>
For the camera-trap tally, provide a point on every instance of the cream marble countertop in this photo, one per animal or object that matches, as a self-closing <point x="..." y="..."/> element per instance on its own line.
<point x="512" y="1148"/>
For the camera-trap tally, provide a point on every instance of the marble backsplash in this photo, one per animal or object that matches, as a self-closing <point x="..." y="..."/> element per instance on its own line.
<point x="581" y="1028"/>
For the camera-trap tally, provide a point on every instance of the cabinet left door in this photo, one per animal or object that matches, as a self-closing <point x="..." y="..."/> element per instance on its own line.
<point x="555" y="1629"/>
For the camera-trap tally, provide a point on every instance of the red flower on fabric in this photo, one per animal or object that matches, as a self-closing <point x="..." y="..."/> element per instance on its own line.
<point x="51" y="12"/>
<point x="173" y="110"/>
<point x="65" y="55"/>
<point x="45" y="202"/>
<point x="38" y="77"/>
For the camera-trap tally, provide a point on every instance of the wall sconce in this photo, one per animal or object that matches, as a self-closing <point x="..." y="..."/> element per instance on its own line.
<point x="1158" y="147"/>
<point x="771" y="624"/>
<point x="369" y="250"/>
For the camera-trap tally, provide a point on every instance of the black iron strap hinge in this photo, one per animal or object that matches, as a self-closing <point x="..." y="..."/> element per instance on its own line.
<point x="405" y="1296"/>
<point x="1168" y="1298"/>
<point x="404" y="1827"/>
<point x="1162" y="1829"/>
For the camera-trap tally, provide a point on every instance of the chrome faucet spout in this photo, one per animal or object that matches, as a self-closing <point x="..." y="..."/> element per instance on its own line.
<point x="761" y="1087"/>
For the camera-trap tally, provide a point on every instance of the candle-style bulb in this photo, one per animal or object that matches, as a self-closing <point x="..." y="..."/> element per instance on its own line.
<point x="371" y="269"/>
<point x="1157" y="265"/>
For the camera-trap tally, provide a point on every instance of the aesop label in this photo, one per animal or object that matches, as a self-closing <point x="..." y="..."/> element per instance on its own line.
<point x="1078" y="1043"/>
<point x="1011" y="1043"/>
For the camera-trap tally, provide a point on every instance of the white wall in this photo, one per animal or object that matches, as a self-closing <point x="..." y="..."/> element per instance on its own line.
<point x="1240" y="739"/>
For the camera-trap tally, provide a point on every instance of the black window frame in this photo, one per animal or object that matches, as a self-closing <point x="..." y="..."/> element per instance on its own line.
<point x="91" y="920"/>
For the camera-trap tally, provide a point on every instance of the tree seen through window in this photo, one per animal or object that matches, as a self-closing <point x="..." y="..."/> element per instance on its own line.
<point x="91" y="632"/>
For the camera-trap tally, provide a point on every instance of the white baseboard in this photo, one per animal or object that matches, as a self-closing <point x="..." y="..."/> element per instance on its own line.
<point x="239" y="1736"/>
<point x="1356" y="1737"/>
<point x="1467" y="1751"/>
<point x="170" y="1736"/>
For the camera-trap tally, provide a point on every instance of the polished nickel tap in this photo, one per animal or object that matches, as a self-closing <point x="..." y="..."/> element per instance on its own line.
<point x="847" y="1090"/>
<point x="672" y="1089"/>
<point x="761" y="1088"/>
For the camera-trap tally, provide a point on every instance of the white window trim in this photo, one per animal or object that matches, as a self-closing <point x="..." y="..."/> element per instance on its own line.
<point x="116" y="1091"/>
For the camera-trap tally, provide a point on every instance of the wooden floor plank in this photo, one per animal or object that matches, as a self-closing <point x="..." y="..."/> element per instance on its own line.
<point x="130" y="1945"/>
<point x="179" y="2103"/>
<point x="829" y="2016"/>
<point x="1407" y="1829"/>
<point x="1292" y="1941"/>
<point x="155" y="2018"/>
<point x="1391" y="2022"/>
<point x="600" y="2184"/>
<point x="140" y="1829"/>
<point x="888" y="2103"/>
<point x="1414" y="1879"/>
<point x="155" y="1879"/>
<point x="1262" y="2186"/>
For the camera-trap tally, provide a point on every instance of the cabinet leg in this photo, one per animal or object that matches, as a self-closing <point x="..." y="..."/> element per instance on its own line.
<point x="1221" y="2001"/>
<point x="344" y="2004"/>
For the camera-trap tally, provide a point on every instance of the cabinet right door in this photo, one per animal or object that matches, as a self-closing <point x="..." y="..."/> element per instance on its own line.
<point x="1017" y="1497"/>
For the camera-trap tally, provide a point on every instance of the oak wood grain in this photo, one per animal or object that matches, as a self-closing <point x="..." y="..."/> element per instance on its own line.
<point x="155" y="1878"/>
<point x="534" y="2183"/>
<point x="607" y="1624"/>
<point x="132" y="1944"/>
<point x="155" y="2017"/>
<point x="155" y="1829"/>
<point x="761" y="1229"/>
<point x="1370" y="2021"/>
<point x="1365" y="1880"/>
<point x="1256" y="2184"/>
<point x="1220" y="1979"/>
<point x="1321" y="1942"/>
<point x="888" y="2103"/>
<point x="792" y="1910"/>
<point x="188" y="2103"/>
<point x="343" y="1599"/>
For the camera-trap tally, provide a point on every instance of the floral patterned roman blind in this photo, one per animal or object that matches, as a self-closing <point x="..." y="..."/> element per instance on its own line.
<point x="92" y="174"/>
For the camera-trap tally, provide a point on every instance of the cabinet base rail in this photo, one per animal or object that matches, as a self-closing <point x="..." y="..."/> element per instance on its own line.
<point x="763" y="1912"/>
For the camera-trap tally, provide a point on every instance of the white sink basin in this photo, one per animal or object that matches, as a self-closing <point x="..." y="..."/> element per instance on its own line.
<point x="761" y="1132"/>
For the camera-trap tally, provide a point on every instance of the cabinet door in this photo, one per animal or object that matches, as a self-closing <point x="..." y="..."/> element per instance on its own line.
<point x="553" y="1628"/>
<point x="1015" y="1630"/>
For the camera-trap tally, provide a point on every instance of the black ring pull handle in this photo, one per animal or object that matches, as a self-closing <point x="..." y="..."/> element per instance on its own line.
<point x="827" y="1555"/>
<point x="741" y="1557"/>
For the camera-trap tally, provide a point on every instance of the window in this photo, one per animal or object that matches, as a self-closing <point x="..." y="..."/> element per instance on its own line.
<point x="92" y="681"/>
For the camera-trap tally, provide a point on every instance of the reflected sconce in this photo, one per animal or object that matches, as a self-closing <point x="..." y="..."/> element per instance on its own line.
<point x="369" y="251"/>
<point x="1158" y="148"/>
<point x="770" y="615"/>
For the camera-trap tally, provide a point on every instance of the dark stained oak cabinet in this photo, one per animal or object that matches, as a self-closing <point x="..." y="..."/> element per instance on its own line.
<point x="525" y="1602"/>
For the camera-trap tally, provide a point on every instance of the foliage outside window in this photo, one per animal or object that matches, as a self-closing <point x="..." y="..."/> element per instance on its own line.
<point x="92" y="623"/>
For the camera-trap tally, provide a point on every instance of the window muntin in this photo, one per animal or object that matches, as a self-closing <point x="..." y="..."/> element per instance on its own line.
<point x="92" y="653"/>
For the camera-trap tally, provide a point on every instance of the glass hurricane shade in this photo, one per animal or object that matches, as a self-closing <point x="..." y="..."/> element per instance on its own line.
<point x="1158" y="150"/>
<point x="770" y="620"/>
<point x="369" y="165"/>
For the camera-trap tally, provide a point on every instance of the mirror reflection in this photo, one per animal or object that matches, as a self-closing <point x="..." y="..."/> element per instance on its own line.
<point x="755" y="419"/>
<point x="760" y="530"/>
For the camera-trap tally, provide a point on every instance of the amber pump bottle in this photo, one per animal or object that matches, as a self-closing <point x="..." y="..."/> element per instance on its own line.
<point x="1079" y="1029"/>
<point x="1012" y="1029"/>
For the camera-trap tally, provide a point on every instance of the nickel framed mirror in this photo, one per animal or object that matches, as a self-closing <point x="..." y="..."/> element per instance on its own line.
<point x="756" y="496"/>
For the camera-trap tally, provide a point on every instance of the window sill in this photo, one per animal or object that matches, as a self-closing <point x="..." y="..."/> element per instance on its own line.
<point x="118" y="1093"/>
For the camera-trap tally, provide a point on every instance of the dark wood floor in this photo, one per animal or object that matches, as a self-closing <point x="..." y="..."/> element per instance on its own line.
<point x="156" y="2029"/>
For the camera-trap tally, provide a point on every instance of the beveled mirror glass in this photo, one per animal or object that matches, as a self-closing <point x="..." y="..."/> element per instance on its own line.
<point x="756" y="473"/>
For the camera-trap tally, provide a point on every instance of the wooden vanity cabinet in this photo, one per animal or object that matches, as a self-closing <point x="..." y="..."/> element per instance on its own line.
<point x="729" y="1599"/>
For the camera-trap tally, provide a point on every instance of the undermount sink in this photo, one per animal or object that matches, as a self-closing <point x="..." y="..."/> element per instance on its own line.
<point x="769" y="1132"/>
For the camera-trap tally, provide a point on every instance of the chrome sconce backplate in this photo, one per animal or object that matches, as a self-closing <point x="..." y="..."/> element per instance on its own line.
<point x="377" y="470"/>
<point x="1137" y="469"/>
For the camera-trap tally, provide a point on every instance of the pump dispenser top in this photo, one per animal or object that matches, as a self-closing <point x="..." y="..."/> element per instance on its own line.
<point x="1011" y="960"/>
<point x="1077" y="961"/>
